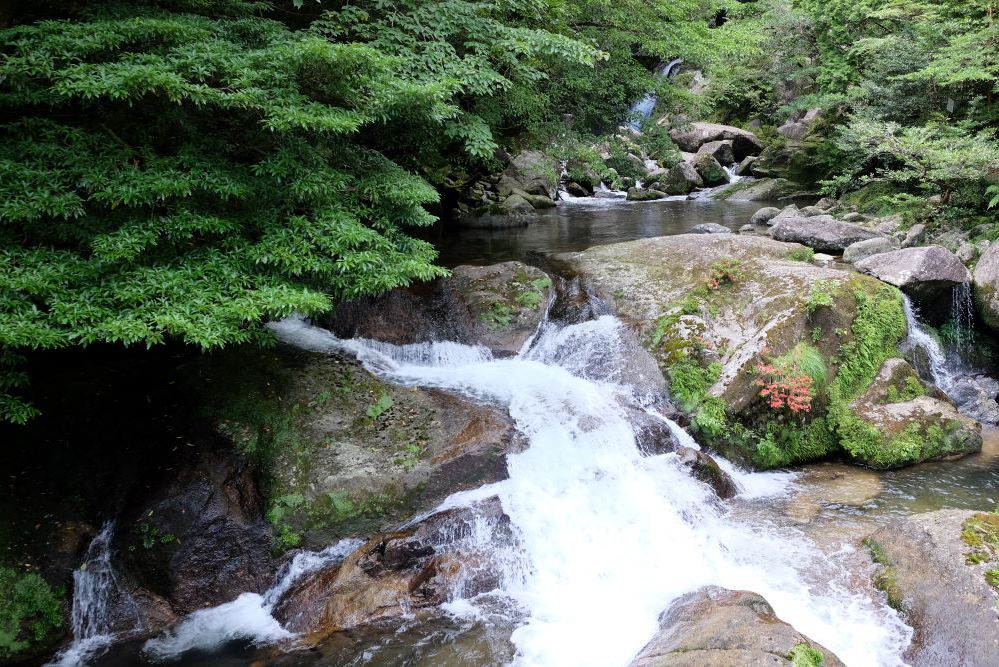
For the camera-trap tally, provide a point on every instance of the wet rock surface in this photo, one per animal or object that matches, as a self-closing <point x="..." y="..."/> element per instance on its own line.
<point x="200" y="536"/>
<point x="707" y="470"/>
<point x="924" y="570"/>
<point x="499" y="306"/>
<point x="986" y="286"/>
<point x="397" y="573"/>
<point x="716" y="627"/>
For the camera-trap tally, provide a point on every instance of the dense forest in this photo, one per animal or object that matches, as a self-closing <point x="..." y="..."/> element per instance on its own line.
<point x="178" y="174"/>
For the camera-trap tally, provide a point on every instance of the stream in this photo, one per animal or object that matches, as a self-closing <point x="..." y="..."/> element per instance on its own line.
<point x="605" y="537"/>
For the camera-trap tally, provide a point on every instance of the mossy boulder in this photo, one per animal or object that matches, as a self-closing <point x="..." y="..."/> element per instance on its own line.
<point x="499" y="306"/>
<point x="894" y="423"/>
<point x="710" y="169"/>
<point x="341" y="452"/>
<point x="763" y="189"/>
<point x="717" y="627"/>
<point x="727" y="316"/>
<point x="940" y="570"/>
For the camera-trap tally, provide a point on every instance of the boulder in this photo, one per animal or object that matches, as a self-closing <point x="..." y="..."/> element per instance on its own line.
<point x="640" y="194"/>
<point x="861" y="250"/>
<point x="810" y="211"/>
<point x="764" y="215"/>
<point x="765" y="303"/>
<point x="396" y="574"/>
<point x="348" y="453"/>
<point x="927" y="274"/>
<point x="709" y="228"/>
<point x="934" y="567"/>
<point x="517" y="203"/>
<point x="717" y="627"/>
<point x="888" y="224"/>
<point x="915" y="236"/>
<point x="975" y="396"/>
<point x="710" y="170"/>
<point x="578" y="190"/>
<point x="200" y="534"/>
<point x="691" y="138"/>
<point x="681" y="179"/>
<point x="539" y="202"/>
<point x="719" y="150"/>
<point x="499" y="306"/>
<point x="764" y="189"/>
<point x="822" y="232"/>
<point x="826" y="203"/>
<point x="745" y="167"/>
<point x="899" y="425"/>
<point x="704" y="468"/>
<point x="788" y="212"/>
<point x="533" y="172"/>
<point x="855" y="217"/>
<point x="967" y="252"/>
<point x="986" y="286"/>
<point x="747" y="229"/>
<point x="800" y="125"/>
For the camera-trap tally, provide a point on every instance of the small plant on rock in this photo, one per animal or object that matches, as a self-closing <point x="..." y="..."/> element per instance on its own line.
<point x="726" y="271"/>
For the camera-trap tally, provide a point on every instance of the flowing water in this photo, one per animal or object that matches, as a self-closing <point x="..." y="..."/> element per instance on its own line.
<point x="642" y="110"/>
<point x="607" y="537"/>
<point x="943" y="371"/>
<point x="96" y="598"/>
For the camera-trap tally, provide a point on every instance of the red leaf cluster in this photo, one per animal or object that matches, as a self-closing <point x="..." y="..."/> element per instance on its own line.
<point x="782" y="388"/>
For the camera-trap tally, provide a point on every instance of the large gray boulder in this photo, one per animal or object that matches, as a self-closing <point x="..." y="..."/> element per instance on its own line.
<point x="717" y="627"/>
<point x="681" y="179"/>
<point x="641" y="194"/>
<point x="720" y="150"/>
<point x="975" y="396"/>
<point x="691" y="137"/>
<point x="933" y="568"/>
<point x="927" y="274"/>
<point x="861" y="250"/>
<point x="821" y="232"/>
<point x="789" y="212"/>
<point x="986" y="286"/>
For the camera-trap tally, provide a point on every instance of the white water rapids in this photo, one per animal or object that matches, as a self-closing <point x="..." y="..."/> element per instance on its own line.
<point x="606" y="538"/>
<point x="609" y="537"/>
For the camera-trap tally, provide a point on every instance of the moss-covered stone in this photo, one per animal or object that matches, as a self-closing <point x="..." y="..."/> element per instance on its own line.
<point x="345" y="453"/>
<point x="710" y="337"/>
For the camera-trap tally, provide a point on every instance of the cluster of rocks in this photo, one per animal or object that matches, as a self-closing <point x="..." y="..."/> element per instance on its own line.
<point x="528" y="184"/>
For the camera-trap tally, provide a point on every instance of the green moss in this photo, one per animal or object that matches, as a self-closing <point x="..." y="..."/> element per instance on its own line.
<point x="872" y="198"/>
<point x="803" y="655"/>
<point x="913" y="389"/>
<point x="804" y="254"/>
<point x="981" y="533"/>
<point x="877" y="329"/>
<point x="885" y="579"/>
<point x="689" y="382"/>
<point x="30" y="614"/>
<point x="821" y="294"/>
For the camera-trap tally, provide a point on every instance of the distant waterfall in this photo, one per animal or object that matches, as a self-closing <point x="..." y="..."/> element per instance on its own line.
<point x="942" y="373"/>
<point x="643" y="108"/>
<point x="962" y="316"/>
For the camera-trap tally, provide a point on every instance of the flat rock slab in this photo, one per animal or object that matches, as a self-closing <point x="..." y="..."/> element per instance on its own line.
<point x="821" y="232"/>
<point x="716" y="627"/>
<point x="924" y="569"/>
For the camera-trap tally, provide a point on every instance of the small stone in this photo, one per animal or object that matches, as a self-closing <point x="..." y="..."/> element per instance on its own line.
<point x="861" y="250"/>
<point x="854" y="217"/>
<point x="825" y="203"/>
<point x="709" y="228"/>
<point x="821" y="258"/>
<point x="764" y="215"/>
<point x="915" y="236"/>
<point x="810" y="211"/>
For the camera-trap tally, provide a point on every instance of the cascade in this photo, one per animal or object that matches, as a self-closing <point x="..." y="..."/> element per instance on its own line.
<point x="943" y="371"/>
<point x="605" y="537"/>
<point x="97" y="598"/>
<point x="963" y="316"/>
<point x="642" y="109"/>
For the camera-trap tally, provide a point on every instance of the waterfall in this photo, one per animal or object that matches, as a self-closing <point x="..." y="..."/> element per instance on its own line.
<point x="962" y="316"/>
<point x="942" y="372"/>
<point x="97" y="599"/>
<point x="642" y="109"/>
<point x="607" y="538"/>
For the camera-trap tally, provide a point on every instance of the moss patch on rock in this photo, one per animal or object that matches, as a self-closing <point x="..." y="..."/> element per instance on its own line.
<point x="885" y="578"/>
<point x="981" y="533"/>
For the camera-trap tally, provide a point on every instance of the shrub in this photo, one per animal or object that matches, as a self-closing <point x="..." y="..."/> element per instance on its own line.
<point x="29" y="612"/>
<point x="726" y="271"/>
